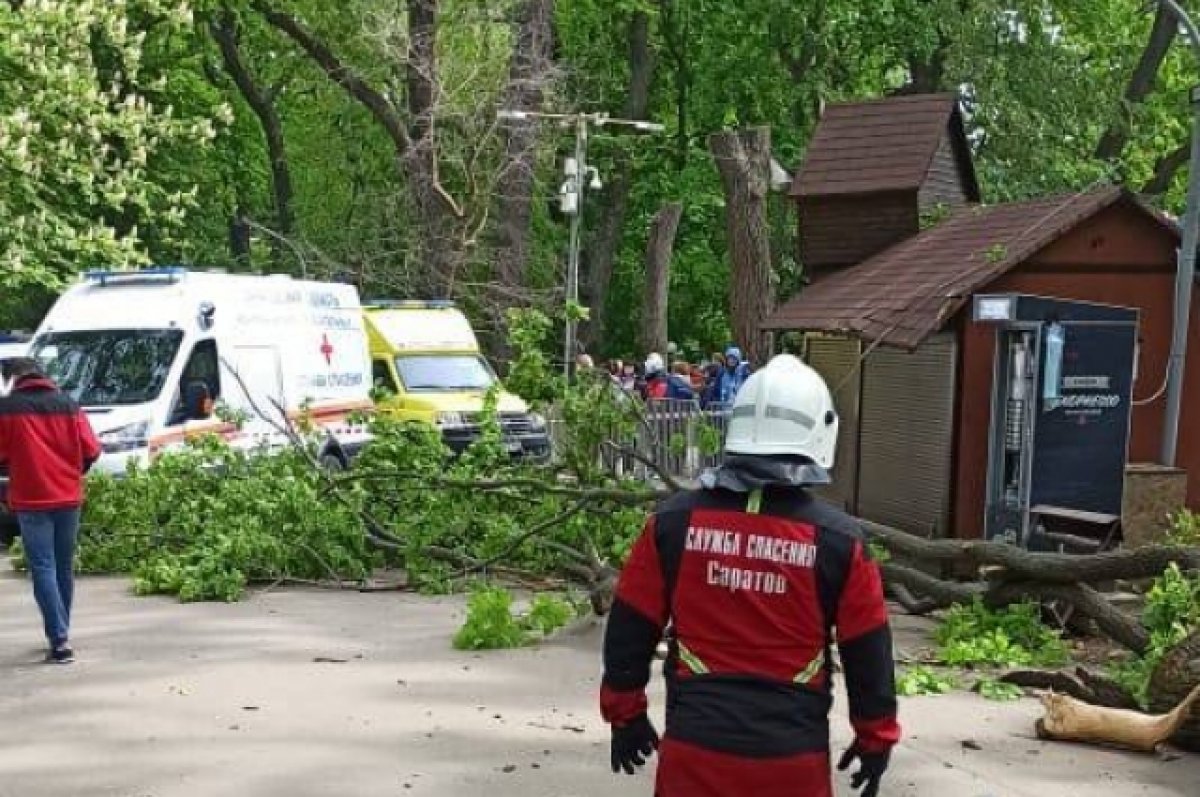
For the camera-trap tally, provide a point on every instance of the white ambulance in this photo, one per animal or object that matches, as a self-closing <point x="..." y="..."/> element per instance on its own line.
<point x="160" y="355"/>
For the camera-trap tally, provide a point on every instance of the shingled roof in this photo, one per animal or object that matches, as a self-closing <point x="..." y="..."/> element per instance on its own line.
<point x="909" y="291"/>
<point x="882" y="145"/>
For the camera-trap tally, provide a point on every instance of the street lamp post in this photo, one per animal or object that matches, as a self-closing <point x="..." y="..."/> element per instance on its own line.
<point x="1186" y="271"/>
<point x="579" y="177"/>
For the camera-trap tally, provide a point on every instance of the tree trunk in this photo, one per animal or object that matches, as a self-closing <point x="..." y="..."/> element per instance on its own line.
<point x="529" y="74"/>
<point x="744" y="162"/>
<point x="602" y="252"/>
<point x="677" y="31"/>
<point x="1175" y="676"/>
<point x="658" y="276"/>
<point x="239" y="238"/>
<point x="1141" y="82"/>
<point x="1068" y="719"/>
<point x="439" y="218"/>
<point x="227" y="34"/>
<point x="1165" y="169"/>
<point x="439" y="233"/>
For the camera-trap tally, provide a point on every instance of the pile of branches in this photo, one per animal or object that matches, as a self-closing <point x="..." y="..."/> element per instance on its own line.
<point x="1004" y="574"/>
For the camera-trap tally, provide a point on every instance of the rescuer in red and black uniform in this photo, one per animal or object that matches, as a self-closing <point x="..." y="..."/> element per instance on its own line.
<point x="756" y="579"/>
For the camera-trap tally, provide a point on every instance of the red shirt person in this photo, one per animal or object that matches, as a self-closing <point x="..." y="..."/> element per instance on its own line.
<point x="756" y="580"/>
<point x="47" y="445"/>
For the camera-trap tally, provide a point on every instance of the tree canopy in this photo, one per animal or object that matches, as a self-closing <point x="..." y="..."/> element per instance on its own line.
<point x="360" y="140"/>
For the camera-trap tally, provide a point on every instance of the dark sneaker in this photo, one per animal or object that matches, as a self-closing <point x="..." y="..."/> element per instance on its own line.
<point x="63" y="655"/>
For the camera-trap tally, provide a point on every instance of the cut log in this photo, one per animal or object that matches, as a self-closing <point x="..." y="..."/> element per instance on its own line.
<point x="1071" y="720"/>
<point x="1081" y="685"/>
<point x="1175" y="676"/>
<point x="1053" y="568"/>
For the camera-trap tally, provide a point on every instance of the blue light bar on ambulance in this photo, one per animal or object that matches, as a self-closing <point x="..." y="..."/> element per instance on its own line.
<point x="154" y="274"/>
<point x="410" y="304"/>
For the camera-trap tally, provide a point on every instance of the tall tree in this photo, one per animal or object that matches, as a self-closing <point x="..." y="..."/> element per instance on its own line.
<point x="412" y="129"/>
<point x="659" y="247"/>
<point x="530" y="74"/>
<point x="743" y="158"/>
<point x="605" y="243"/>
<point x="226" y="31"/>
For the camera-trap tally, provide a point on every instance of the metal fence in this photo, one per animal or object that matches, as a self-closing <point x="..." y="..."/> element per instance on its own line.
<point x="679" y="438"/>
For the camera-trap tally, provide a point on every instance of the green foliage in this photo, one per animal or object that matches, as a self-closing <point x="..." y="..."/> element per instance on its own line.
<point x="1171" y="613"/>
<point x="1184" y="528"/>
<point x="203" y="522"/>
<point x="925" y="681"/>
<point x="531" y="374"/>
<point x="547" y="614"/>
<point x="995" y="253"/>
<point x="935" y="215"/>
<point x="974" y="635"/>
<point x="991" y="689"/>
<point x="86" y="120"/>
<point x="491" y="623"/>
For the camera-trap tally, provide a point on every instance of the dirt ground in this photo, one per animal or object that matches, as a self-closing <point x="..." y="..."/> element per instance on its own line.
<point x="295" y="693"/>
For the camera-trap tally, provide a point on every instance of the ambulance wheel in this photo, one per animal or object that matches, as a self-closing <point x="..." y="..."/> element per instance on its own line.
<point x="333" y="462"/>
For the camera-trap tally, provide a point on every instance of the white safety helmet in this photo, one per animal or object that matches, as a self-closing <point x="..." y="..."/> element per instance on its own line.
<point x="784" y="409"/>
<point x="654" y="364"/>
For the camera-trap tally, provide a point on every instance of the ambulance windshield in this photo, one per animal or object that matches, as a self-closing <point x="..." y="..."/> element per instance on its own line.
<point x="444" y="372"/>
<point x="109" y="367"/>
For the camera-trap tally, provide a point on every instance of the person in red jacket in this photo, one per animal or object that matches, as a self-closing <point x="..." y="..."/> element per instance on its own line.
<point x="47" y="445"/>
<point x="754" y="580"/>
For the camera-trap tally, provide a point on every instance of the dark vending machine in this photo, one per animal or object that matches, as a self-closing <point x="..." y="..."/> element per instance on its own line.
<point x="1061" y="401"/>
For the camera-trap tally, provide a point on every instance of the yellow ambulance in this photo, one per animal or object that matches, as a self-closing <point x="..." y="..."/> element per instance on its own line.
<point x="427" y="366"/>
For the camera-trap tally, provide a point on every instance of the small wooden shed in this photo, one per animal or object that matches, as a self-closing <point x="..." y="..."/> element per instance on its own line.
<point x="892" y="334"/>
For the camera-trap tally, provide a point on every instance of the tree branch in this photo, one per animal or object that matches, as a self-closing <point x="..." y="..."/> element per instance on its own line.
<point x="1165" y="169"/>
<point x="345" y="76"/>
<point x="225" y="31"/>
<point x="1140" y="83"/>
<point x="1051" y="568"/>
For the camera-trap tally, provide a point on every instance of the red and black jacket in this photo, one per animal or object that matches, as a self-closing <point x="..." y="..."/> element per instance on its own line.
<point x="756" y="588"/>
<point x="47" y="445"/>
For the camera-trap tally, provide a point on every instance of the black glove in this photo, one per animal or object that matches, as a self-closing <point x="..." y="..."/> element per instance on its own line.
<point x="633" y="743"/>
<point x="871" y="771"/>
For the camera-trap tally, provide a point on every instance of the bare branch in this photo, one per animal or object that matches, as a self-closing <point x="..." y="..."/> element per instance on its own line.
<point x="342" y="74"/>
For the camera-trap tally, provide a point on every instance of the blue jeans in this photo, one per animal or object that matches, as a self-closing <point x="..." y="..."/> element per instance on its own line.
<point x="49" y="542"/>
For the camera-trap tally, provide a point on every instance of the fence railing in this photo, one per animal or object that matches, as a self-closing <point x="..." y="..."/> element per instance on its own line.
<point x="680" y="438"/>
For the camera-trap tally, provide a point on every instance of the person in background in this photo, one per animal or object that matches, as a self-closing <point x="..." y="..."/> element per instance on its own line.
<point x="629" y="377"/>
<point x="663" y="385"/>
<point x="733" y="374"/>
<point x="758" y="579"/>
<point x="48" y="446"/>
<point x="712" y="372"/>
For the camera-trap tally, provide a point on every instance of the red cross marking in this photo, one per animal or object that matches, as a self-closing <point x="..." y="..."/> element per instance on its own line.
<point x="327" y="349"/>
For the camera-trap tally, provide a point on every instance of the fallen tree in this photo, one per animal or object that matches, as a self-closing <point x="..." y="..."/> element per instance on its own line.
<point x="1068" y="719"/>
<point x="447" y="520"/>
